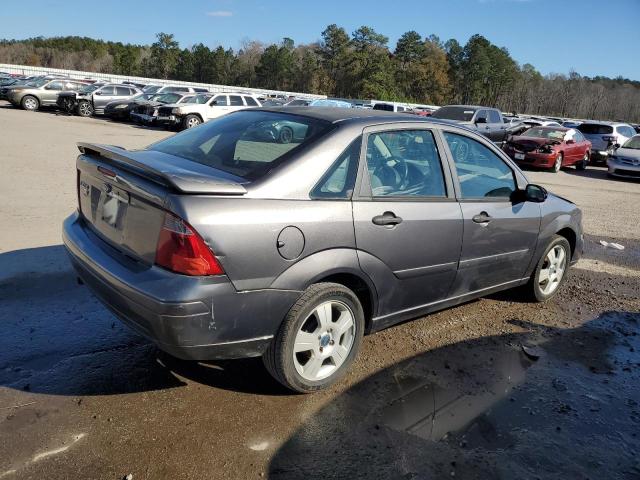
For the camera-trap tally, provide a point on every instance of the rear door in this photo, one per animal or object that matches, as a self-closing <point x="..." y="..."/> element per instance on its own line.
<point x="408" y="225"/>
<point x="235" y="103"/>
<point x="499" y="235"/>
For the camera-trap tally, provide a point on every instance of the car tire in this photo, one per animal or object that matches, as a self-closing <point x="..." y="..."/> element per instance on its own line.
<point x="286" y="135"/>
<point x="582" y="164"/>
<point x="190" y="121"/>
<point x="318" y="339"/>
<point x="557" y="165"/>
<point x="85" y="109"/>
<point x="545" y="282"/>
<point x="30" y="103"/>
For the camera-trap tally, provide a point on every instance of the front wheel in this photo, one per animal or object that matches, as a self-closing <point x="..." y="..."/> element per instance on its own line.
<point x="85" y="109"/>
<point x="286" y="135"/>
<point x="30" y="103"/>
<point x="557" y="165"/>
<point x="582" y="164"/>
<point x="318" y="340"/>
<point x="190" y="121"/>
<point x="551" y="270"/>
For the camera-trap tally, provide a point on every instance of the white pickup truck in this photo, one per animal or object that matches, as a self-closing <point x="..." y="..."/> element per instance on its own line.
<point x="203" y="108"/>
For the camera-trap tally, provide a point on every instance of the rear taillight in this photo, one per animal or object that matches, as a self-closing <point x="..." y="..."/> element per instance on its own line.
<point x="181" y="250"/>
<point x="78" y="189"/>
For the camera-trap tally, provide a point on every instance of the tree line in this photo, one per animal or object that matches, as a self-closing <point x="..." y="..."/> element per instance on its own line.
<point x="359" y="65"/>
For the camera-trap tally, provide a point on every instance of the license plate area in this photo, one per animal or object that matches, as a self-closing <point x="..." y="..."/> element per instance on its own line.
<point x="519" y="156"/>
<point x="114" y="207"/>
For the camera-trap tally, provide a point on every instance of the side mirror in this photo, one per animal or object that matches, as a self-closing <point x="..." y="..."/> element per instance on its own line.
<point x="535" y="193"/>
<point x="616" y="146"/>
<point x="570" y="141"/>
<point x="98" y="93"/>
<point x="481" y="120"/>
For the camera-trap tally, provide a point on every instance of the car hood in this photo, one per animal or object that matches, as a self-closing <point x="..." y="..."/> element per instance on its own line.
<point x="531" y="143"/>
<point x="628" y="153"/>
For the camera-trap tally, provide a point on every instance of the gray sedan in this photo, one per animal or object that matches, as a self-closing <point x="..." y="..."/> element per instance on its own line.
<point x="625" y="161"/>
<point x="215" y="243"/>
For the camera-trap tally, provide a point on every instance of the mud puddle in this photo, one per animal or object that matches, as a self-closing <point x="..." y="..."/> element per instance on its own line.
<point x="565" y="406"/>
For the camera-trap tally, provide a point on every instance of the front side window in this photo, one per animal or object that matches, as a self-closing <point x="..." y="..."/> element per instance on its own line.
<point x="109" y="91"/>
<point x="220" y="101"/>
<point x="404" y="163"/>
<point x="482" y="114"/>
<point x="494" y="116"/>
<point x="55" y="86"/>
<point x="339" y="180"/>
<point x="481" y="173"/>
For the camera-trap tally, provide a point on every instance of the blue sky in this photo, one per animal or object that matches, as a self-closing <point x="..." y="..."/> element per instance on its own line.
<point x="592" y="37"/>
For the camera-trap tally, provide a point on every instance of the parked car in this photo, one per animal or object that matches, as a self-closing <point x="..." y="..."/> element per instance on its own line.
<point x="550" y="147"/>
<point x="41" y="93"/>
<point x="173" y="88"/>
<point x="391" y="107"/>
<point x="328" y="102"/>
<point x="218" y="247"/>
<point x="625" y="161"/>
<point x="486" y="121"/>
<point x="604" y="137"/>
<point x="147" y="112"/>
<point x="297" y="102"/>
<point x="636" y="127"/>
<point x="423" y="111"/>
<point x="94" y="98"/>
<point x="571" y="123"/>
<point x="539" y="122"/>
<point x="188" y="115"/>
<point x="121" y="109"/>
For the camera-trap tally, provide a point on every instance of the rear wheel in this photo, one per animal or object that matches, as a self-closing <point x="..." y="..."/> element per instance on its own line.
<point x="31" y="103"/>
<point x="318" y="340"/>
<point x="557" y="165"/>
<point x="85" y="109"/>
<point x="582" y="164"/>
<point x="190" y="121"/>
<point x="286" y="135"/>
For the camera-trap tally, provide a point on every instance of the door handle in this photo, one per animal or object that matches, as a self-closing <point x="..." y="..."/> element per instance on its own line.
<point x="386" y="219"/>
<point x="482" y="217"/>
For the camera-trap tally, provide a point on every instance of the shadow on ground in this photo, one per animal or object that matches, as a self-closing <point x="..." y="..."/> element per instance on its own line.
<point x="56" y="338"/>
<point x="566" y="406"/>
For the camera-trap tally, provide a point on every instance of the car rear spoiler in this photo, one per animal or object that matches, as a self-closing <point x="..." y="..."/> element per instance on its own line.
<point x="170" y="171"/>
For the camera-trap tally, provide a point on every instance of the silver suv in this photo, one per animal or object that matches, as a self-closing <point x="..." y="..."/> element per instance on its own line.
<point x="224" y="242"/>
<point x="42" y="92"/>
<point x="604" y="137"/>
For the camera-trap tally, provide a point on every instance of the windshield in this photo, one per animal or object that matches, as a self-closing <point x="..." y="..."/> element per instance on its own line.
<point x="167" y="98"/>
<point x="546" y="133"/>
<point x="633" y="143"/>
<point x="38" y="83"/>
<point x="247" y="144"/>
<point x="595" y="129"/>
<point x="463" y="114"/>
<point x="151" y="89"/>
<point x="89" y="88"/>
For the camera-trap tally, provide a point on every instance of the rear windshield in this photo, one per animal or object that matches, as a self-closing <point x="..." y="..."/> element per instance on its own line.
<point x="247" y="144"/>
<point x="595" y="129"/>
<point x="454" y="113"/>
<point x="547" y="133"/>
<point x="383" y="106"/>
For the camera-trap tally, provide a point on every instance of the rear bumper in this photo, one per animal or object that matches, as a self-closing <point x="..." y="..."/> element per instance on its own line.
<point x="194" y="318"/>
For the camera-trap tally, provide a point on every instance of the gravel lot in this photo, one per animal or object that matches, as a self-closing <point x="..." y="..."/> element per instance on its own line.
<point x="452" y="394"/>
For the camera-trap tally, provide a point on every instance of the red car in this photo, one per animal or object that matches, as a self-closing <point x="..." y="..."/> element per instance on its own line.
<point x="550" y="147"/>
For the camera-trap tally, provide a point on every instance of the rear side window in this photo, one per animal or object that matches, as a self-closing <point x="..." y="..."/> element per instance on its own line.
<point x="481" y="173"/>
<point x="251" y="101"/>
<point x="235" y="101"/>
<point x="123" y="92"/>
<point x="247" y="144"/>
<point x="595" y="129"/>
<point x="454" y="113"/>
<point x="625" y="131"/>
<point x="339" y="180"/>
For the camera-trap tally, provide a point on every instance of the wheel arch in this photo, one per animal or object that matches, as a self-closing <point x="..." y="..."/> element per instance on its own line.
<point x="571" y="236"/>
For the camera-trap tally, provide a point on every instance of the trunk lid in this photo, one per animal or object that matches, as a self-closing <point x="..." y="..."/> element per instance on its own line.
<point x="123" y="195"/>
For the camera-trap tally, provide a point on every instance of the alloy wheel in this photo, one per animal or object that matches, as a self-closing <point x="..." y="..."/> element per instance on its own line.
<point x="30" y="103"/>
<point x="193" y="122"/>
<point x="85" y="109"/>
<point x="552" y="271"/>
<point x="324" y="340"/>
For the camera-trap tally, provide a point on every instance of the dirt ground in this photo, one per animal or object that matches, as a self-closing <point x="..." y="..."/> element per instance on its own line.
<point x="495" y="388"/>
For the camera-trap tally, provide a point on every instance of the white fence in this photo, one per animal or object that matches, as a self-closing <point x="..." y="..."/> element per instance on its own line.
<point x="107" y="77"/>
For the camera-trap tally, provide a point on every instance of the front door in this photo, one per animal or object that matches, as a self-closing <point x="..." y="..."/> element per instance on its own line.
<point x="499" y="235"/>
<point x="103" y="96"/>
<point x="408" y="225"/>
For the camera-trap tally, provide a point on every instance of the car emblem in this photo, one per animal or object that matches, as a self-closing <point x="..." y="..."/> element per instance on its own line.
<point x="85" y="188"/>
